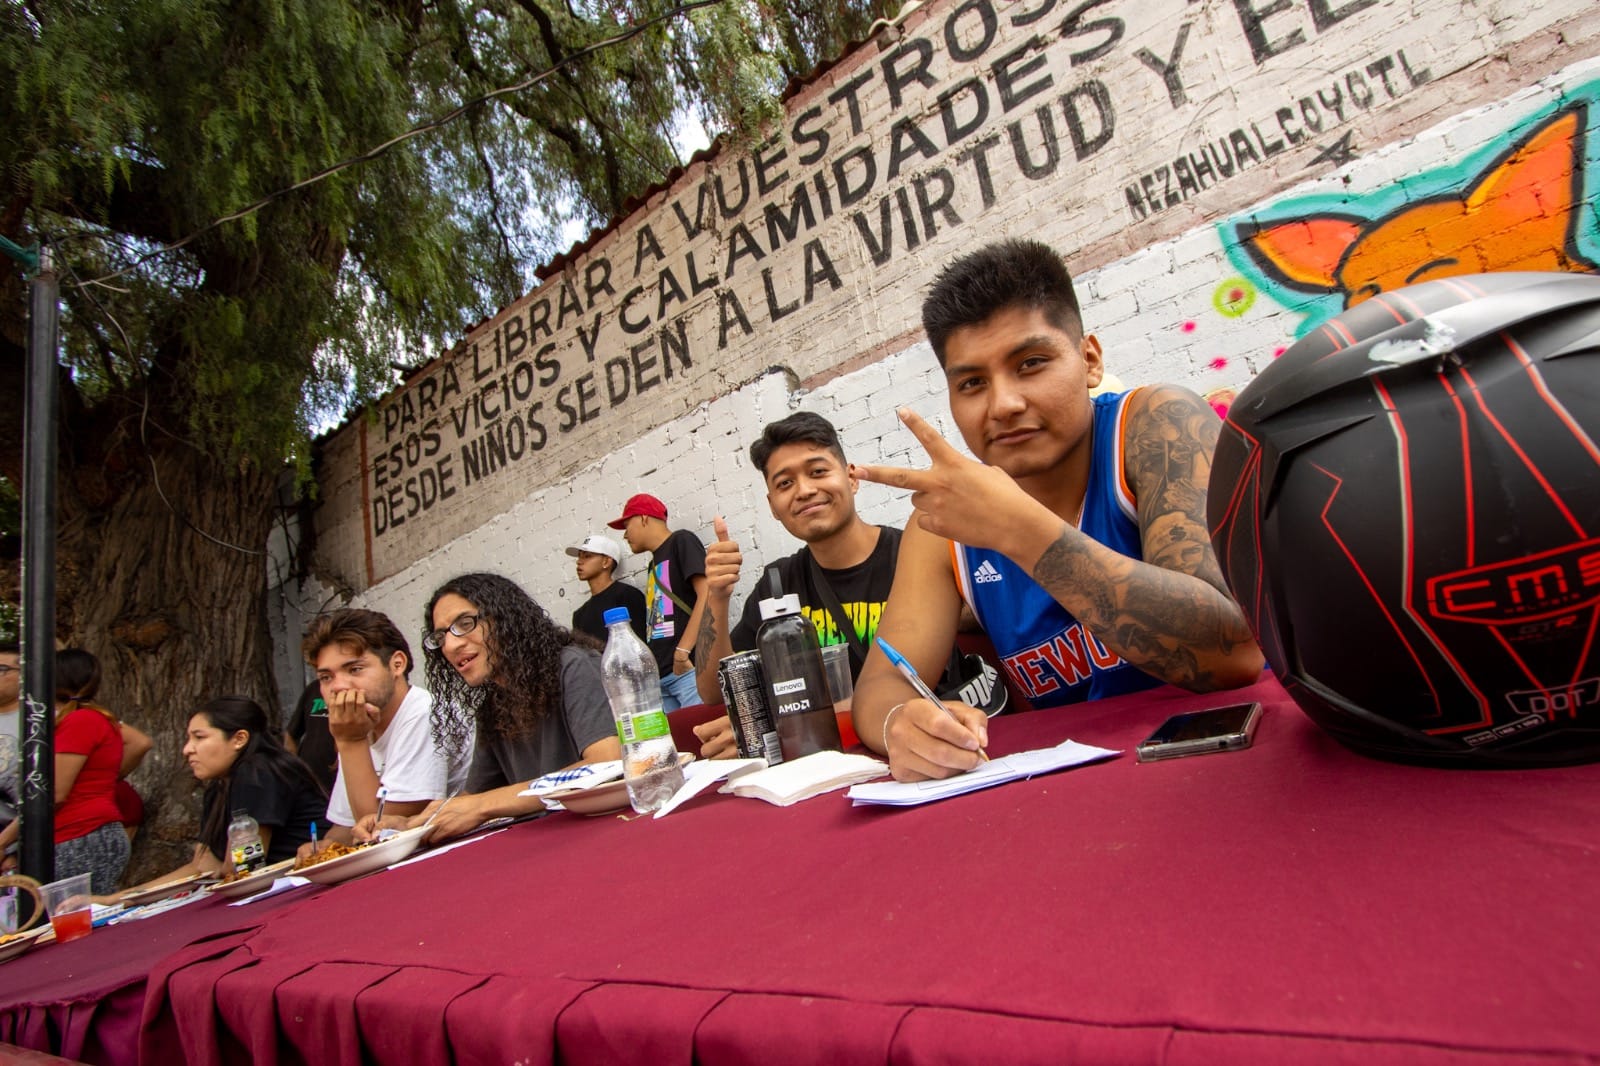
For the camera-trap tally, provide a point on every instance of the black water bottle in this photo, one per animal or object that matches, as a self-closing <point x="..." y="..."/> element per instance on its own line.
<point x="796" y="681"/>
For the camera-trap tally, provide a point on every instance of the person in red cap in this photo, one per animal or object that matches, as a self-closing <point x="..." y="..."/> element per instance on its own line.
<point x="673" y="594"/>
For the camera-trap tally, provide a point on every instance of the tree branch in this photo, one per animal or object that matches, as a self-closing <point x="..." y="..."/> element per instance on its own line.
<point x="496" y="208"/>
<point x="136" y="204"/>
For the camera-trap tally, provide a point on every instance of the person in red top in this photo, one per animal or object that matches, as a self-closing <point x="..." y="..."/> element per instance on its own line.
<point x="88" y="762"/>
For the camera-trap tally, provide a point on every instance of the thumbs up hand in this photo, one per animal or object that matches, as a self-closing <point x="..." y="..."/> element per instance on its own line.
<point x="722" y="564"/>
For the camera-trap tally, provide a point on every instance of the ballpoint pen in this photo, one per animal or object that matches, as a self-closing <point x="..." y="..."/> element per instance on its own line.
<point x="920" y="685"/>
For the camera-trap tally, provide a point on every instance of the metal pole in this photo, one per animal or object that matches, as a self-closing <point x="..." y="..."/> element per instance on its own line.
<point x="39" y="578"/>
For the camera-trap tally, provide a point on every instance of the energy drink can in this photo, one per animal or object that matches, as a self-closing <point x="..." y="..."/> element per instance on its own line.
<point x="744" y="691"/>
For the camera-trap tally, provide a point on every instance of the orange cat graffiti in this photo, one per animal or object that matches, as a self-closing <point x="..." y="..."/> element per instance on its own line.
<point x="1520" y="213"/>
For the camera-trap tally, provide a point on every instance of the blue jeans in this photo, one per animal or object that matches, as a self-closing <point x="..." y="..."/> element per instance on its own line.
<point x="678" y="690"/>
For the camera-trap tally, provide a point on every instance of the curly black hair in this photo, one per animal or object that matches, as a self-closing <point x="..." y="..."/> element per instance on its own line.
<point x="1009" y="273"/>
<point x="524" y="645"/>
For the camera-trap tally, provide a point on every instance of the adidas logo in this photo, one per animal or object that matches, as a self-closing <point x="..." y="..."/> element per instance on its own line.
<point x="986" y="573"/>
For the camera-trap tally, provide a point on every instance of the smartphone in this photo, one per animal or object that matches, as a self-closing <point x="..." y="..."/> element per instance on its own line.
<point x="1197" y="732"/>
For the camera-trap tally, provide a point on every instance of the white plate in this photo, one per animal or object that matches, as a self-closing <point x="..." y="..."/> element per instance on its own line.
<point x="21" y="942"/>
<point x="604" y="799"/>
<point x="601" y="799"/>
<point x="366" y="860"/>
<point x="249" y="885"/>
<point x="157" y="893"/>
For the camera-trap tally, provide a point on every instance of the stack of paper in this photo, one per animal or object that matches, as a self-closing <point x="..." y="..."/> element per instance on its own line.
<point x="791" y="782"/>
<point x="1067" y="754"/>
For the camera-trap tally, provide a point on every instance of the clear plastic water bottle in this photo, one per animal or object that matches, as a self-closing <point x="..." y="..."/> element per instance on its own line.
<point x="633" y="685"/>
<point x="244" y="843"/>
<point x="797" y="683"/>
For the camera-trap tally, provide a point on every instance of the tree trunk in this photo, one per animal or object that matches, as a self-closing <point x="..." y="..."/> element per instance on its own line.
<point x="174" y="616"/>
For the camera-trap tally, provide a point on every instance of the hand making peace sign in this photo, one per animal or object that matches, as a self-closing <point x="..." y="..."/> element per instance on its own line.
<point x="967" y="501"/>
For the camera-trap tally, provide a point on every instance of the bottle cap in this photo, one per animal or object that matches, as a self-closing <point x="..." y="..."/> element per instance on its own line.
<point x="614" y="615"/>
<point x="780" y="607"/>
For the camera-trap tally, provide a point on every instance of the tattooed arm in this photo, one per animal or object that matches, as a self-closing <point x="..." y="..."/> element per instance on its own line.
<point x="713" y="643"/>
<point x="1171" y="615"/>
<point x="710" y="648"/>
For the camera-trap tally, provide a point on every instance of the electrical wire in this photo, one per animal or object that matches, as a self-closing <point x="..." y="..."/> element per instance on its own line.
<point x="415" y="131"/>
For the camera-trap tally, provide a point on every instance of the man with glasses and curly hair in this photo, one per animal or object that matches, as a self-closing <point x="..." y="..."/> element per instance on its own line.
<point x="519" y="691"/>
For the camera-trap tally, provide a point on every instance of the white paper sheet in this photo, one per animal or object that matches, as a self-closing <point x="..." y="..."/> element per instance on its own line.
<point x="702" y="774"/>
<point x="286" y="883"/>
<point x="479" y="834"/>
<point x="149" y="910"/>
<point x="1067" y="754"/>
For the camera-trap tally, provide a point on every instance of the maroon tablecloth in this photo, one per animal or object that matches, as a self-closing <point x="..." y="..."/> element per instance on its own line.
<point x="83" y="1000"/>
<point x="1292" y="902"/>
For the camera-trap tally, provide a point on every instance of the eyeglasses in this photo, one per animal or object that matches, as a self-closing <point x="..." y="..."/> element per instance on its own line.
<point x="463" y="625"/>
<point x="7" y="668"/>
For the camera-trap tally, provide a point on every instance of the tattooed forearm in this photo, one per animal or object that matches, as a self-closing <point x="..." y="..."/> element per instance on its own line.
<point x="1161" y="620"/>
<point x="1168" y="612"/>
<point x="707" y="636"/>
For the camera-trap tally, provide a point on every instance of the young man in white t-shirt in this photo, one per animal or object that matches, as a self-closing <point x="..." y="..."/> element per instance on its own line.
<point x="380" y="723"/>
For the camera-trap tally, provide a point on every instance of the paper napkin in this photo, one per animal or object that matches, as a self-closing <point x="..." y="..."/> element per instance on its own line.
<point x="791" y="782"/>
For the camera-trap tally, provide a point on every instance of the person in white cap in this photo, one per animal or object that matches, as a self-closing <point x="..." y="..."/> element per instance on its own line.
<point x="598" y="558"/>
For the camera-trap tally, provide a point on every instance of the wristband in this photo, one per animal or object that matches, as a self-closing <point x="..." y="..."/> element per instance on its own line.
<point x="886" y="720"/>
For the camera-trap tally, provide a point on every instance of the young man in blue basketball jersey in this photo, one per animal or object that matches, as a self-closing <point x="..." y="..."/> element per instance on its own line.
<point x="1078" y="538"/>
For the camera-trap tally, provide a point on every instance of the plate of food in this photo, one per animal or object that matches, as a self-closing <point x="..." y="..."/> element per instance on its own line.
<point x="340" y="862"/>
<point x="603" y="799"/>
<point x="14" y="944"/>
<point x="251" y="883"/>
<point x="157" y="893"/>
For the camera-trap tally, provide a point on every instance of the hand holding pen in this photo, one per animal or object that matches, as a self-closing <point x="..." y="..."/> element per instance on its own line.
<point x="909" y="672"/>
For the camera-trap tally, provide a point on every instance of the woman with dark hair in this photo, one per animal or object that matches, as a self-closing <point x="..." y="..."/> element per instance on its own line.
<point x="502" y="671"/>
<point x="89" y="759"/>
<point x="231" y="747"/>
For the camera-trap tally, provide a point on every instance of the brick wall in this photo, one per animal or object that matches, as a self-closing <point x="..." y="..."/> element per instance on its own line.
<point x="1203" y="170"/>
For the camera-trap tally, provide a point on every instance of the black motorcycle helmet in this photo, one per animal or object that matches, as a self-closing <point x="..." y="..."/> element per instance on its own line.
<point x="1407" y="507"/>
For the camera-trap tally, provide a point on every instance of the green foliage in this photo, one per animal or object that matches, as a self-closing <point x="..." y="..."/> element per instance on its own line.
<point x="734" y="59"/>
<point x="136" y="124"/>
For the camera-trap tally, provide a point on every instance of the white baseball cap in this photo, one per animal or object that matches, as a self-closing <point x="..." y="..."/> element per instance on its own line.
<point x="600" y="546"/>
